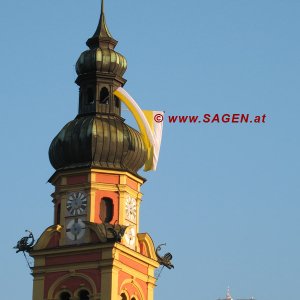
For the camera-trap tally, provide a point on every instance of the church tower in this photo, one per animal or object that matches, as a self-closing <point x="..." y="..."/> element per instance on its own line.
<point x="94" y="250"/>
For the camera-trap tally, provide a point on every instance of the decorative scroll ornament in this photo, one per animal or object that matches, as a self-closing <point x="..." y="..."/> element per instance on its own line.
<point x="164" y="260"/>
<point x="107" y="232"/>
<point x="114" y="232"/>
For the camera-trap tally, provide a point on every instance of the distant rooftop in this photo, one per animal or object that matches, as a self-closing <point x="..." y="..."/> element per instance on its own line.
<point x="229" y="297"/>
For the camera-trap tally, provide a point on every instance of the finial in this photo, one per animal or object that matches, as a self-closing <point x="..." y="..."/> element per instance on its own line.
<point x="102" y="33"/>
<point x="102" y="7"/>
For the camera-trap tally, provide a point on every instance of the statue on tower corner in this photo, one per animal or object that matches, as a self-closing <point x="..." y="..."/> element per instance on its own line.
<point x="25" y="244"/>
<point x="165" y="260"/>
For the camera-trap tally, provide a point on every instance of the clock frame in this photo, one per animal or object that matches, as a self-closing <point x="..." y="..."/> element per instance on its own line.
<point x="76" y="203"/>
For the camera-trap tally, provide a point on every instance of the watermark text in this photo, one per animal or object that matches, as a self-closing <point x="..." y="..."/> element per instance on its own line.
<point x="212" y="118"/>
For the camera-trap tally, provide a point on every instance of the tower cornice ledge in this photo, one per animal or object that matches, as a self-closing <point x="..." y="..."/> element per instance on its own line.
<point x="57" y="175"/>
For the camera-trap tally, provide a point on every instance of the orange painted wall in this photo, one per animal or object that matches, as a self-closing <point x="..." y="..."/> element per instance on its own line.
<point x="131" y="288"/>
<point x="115" y="198"/>
<point x="107" y="178"/>
<point x="73" y="259"/>
<point x="133" y="264"/>
<point x="131" y="183"/>
<point x="144" y="287"/>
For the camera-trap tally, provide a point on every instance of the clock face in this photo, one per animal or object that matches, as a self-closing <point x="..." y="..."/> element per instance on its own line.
<point x="76" y="203"/>
<point x="130" y="209"/>
<point x="75" y="229"/>
<point x="130" y="236"/>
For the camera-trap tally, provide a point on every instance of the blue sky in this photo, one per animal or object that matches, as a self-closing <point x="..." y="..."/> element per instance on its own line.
<point x="225" y="197"/>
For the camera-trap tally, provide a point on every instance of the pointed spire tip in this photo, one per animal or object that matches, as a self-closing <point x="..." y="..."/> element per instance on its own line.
<point x="102" y="7"/>
<point x="101" y="33"/>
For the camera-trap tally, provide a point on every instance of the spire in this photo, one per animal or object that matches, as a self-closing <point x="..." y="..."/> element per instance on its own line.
<point x="102" y="37"/>
<point x="102" y="30"/>
<point x="228" y="296"/>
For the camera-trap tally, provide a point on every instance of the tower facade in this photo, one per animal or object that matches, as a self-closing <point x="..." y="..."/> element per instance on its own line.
<point x="94" y="249"/>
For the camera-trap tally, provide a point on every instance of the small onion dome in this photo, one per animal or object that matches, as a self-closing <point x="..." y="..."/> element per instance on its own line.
<point x="101" y="60"/>
<point x="101" y="141"/>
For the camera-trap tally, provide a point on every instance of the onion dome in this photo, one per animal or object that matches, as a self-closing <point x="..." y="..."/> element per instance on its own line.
<point x="98" y="141"/>
<point x="101" y="56"/>
<point x="101" y="60"/>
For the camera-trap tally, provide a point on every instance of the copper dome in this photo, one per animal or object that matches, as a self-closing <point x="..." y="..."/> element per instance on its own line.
<point x="101" y="60"/>
<point x="98" y="141"/>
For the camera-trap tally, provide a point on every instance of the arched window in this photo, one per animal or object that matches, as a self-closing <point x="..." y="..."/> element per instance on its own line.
<point x="84" y="295"/>
<point x="117" y="101"/>
<point x="64" y="296"/>
<point x="106" y="210"/>
<point x="104" y="96"/>
<point x="123" y="296"/>
<point x="90" y="95"/>
<point x="58" y="214"/>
